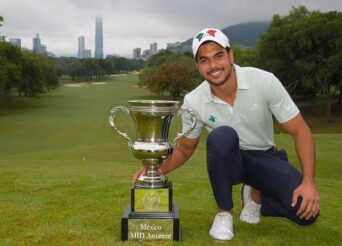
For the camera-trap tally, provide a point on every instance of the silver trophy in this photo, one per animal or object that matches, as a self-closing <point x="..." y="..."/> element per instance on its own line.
<point x="152" y="120"/>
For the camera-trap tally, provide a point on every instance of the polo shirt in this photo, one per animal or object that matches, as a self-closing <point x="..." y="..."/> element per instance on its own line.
<point x="259" y="96"/>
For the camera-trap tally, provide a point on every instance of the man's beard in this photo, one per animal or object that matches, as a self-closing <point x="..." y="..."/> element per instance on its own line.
<point x="226" y="78"/>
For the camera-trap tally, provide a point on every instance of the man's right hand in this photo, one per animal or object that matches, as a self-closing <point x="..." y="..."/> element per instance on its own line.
<point x="141" y="171"/>
<point x="181" y="153"/>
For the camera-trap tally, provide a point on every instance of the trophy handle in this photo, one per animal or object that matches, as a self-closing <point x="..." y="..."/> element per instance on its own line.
<point x="193" y="124"/>
<point x="112" y="119"/>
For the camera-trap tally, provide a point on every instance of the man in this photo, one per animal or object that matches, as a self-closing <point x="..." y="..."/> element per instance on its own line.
<point x="236" y="105"/>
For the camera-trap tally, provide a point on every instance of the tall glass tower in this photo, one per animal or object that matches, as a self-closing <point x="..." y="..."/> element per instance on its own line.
<point x="98" y="38"/>
<point x="36" y="44"/>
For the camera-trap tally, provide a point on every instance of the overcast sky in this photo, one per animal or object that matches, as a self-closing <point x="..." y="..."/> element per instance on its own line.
<point x="128" y="24"/>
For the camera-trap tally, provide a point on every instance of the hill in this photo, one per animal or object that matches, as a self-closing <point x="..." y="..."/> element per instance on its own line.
<point x="244" y="34"/>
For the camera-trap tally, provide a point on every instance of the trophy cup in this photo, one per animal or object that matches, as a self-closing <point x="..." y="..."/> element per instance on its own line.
<point x="151" y="214"/>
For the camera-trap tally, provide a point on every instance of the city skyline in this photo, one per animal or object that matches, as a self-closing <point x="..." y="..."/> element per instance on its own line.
<point x="131" y="24"/>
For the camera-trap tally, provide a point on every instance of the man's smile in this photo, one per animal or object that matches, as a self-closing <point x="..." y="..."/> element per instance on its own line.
<point x="216" y="72"/>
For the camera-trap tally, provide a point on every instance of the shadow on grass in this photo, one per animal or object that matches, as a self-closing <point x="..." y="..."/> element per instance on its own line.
<point x="24" y="103"/>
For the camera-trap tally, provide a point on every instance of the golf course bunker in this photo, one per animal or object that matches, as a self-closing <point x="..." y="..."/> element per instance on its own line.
<point x="80" y="85"/>
<point x="99" y="83"/>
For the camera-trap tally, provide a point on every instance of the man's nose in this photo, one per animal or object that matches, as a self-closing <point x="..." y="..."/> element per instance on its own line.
<point x="212" y="63"/>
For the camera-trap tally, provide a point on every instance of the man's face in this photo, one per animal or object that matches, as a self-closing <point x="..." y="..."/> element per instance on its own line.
<point x="214" y="63"/>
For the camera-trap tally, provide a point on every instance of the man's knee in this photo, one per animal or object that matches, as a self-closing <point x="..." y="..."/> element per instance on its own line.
<point x="297" y="219"/>
<point x="223" y="136"/>
<point x="273" y="207"/>
<point x="306" y="222"/>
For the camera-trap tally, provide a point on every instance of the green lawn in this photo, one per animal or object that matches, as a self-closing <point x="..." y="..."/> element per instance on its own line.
<point x="65" y="176"/>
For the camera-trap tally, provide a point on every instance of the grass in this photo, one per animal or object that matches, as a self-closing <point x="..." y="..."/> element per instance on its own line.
<point x="65" y="176"/>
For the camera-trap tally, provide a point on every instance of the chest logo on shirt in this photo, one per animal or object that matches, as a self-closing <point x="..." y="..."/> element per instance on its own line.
<point x="212" y="118"/>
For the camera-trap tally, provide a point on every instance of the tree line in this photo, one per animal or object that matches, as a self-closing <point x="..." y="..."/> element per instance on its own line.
<point x="303" y="49"/>
<point x="89" y="68"/>
<point x="24" y="73"/>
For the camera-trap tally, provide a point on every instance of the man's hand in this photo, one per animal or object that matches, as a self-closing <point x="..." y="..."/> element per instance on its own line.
<point x="181" y="153"/>
<point x="141" y="171"/>
<point x="310" y="200"/>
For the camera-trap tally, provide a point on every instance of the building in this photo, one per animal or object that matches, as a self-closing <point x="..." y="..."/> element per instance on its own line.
<point x="38" y="47"/>
<point x="43" y="49"/>
<point x="98" y="38"/>
<point x="15" y="41"/>
<point x="36" y="44"/>
<point x="146" y="54"/>
<point x="137" y="53"/>
<point x="82" y="52"/>
<point x="153" y="49"/>
<point x="87" y="54"/>
<point x="81" y="44"/>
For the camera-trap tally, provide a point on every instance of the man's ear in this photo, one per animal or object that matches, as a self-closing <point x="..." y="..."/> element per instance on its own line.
<point x="231" y="56"/>
<point x="197" y="65"/>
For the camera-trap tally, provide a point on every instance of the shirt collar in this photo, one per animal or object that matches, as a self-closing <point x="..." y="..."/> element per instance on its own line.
<point x="241" y="78"/>
<point x="241" y="81"/>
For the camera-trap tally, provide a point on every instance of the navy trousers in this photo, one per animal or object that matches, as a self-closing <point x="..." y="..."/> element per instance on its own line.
<point x="267" y="171"/>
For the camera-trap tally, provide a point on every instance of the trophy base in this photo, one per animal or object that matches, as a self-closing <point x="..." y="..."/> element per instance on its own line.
<point x="147" y="181"/>
<point x="151" y="200"/>
<point x="150" y="226"/>
<point x="151" y="216"/>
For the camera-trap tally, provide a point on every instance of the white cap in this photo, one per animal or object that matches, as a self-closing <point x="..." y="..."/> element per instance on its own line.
<point x="209" y="34"/>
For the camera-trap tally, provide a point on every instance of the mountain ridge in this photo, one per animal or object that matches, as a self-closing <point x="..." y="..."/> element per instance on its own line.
<point x="245" y="34"/>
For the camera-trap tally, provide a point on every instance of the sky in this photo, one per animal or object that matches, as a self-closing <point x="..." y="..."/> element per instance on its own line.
<point x="128" y="24"/>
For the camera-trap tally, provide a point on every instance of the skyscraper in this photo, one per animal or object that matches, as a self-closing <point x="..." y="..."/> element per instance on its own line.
<point x="38" y="47"/>
<point x="36" y="43"/>
<point x="98" y="38"/>
<point x="82" y="52"/>
<point x="137" y="53"/>
<point x="81" y="47"/>
<point x="154" y="48"/>
<point x="81" y="43"/>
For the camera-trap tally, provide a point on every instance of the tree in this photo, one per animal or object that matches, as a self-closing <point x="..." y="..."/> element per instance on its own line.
<point x="31" y="82"/>
<point x="64" y="65"/>
<point x="2" y="38"/>
<point x="90" y="67"/>
<point x="174" y="78"/>
<point x="244" y="56"/>
<point x="304" y="49"/>
<point x="169" y="72"/>
<point x="49" y="74"/>
<point x="10" y="69"/>
<point x="27" y="73"/>
<point x="115" y="64"/>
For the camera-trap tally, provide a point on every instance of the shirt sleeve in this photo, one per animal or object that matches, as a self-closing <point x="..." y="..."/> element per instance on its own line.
<point x="280" y="103"/>
<point x="187" y="122"/>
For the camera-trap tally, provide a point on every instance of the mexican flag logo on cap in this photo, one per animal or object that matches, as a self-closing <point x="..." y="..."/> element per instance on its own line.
<point x="209" y="32"/>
